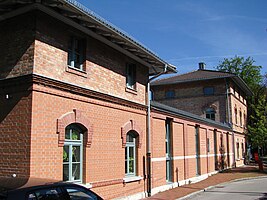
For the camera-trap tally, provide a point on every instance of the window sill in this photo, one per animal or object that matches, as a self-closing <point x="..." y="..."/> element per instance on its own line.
<point x="131" y="90"/>
<point x="76" y="71"/>
<point x="132" y="179"/>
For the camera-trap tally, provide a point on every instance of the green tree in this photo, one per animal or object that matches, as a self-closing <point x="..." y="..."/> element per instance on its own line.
<point x="244" y="68"/>
<point x="258" y="125"/>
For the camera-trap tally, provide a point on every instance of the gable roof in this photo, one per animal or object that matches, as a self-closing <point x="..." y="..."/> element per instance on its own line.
<point x="203" y="75"/>
<point x="80" y="17"/>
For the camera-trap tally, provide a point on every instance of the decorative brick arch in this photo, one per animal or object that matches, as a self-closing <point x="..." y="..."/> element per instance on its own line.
<point x="74" y="117"/>
<point x="131" y="126"/>
<point x="213" y="106"/>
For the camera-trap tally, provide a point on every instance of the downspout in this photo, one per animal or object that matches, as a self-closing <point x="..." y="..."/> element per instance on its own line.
<point x="149" y="131"/>
<point x="229" y="121"/>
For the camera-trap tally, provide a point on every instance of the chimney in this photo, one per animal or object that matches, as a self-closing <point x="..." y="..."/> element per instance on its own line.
<point x="201" y="66"/>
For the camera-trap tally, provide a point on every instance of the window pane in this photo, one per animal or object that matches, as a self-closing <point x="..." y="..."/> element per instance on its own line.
<point x="75" y="171"/>
<point x="208" y="90"/>
<point x="49" y="194"/>
<point x="129" y="138"/>
<point x="67" y="134"/>
<point x="66" y="172"/>
<point x="131" y="153"/>
<point x="79" y="193"/>
<point x="131" y="166"/>
<point x="76" y="153"/>
<point x="126" y="167"/>
<point x="170" y="94"/>
<point x="131" y="75"/>
<point x="75" y="134"/>
<point x="66" y="154"/>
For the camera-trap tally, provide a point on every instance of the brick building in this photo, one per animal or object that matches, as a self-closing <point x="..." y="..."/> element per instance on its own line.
<point x="215" y="95"/>
<point x="73" y="100"/>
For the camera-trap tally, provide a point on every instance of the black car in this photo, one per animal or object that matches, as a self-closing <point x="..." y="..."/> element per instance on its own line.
<point x="40" y="189"/>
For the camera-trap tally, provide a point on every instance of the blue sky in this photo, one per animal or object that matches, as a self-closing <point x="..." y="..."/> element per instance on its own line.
<point x="186" y="32"/>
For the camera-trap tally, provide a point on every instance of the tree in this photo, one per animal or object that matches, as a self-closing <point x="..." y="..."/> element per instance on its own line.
<point x="258" y="126"/>
<point x="244" y="68"/>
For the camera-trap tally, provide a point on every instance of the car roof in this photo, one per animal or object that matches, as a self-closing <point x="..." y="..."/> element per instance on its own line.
<point x="8" y="184"/>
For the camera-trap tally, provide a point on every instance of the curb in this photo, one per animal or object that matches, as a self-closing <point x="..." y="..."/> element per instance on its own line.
<point x="220" y="184"/>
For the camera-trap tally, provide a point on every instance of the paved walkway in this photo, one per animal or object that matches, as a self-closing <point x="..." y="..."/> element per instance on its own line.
<point x="247" y="171"/>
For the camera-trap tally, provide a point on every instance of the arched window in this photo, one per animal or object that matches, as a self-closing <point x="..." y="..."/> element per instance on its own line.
<point x="130" y="154"/>
<point x="210" y="113"/>
<point x="72" y="154"/>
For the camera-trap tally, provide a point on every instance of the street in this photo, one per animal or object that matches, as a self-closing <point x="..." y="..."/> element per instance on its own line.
<point x="245" y="190"/>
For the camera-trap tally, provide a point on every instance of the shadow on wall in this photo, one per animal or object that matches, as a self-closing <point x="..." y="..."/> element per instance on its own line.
<point x="57" y="34"/>
<point x="15" y="130"/>
<point x="16" y="46"/>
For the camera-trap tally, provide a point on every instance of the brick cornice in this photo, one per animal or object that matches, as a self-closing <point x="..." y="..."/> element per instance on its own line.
<point x="74" y="117"/>
<point x="75" y="89"/>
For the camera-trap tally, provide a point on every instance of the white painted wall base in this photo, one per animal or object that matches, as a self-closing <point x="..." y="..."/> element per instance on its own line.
<point x="168" y="186"/>
<point x="180" y="183"/>
<point x="136" y="196"/>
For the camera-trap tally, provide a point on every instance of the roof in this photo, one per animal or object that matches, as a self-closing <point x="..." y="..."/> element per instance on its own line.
<point x="203" y="75"/>
<point x="187" y="115"/>
<point x="79" y="16"/>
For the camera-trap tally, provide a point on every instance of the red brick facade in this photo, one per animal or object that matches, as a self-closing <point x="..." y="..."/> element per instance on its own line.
<point x="40" y="96"/>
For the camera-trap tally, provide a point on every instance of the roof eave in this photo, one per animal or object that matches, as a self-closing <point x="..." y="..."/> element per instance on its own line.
<point x="93" y="25"/>
<point x="187" y="115"/>
<point x="239" y="81"/>
<point x="155" y="64"/>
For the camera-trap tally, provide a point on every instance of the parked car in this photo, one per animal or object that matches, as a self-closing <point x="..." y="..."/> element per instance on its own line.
<point x="43" y="189"/>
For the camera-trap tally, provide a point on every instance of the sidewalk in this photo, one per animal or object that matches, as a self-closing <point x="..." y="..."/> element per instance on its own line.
<point x="247" y="171"/>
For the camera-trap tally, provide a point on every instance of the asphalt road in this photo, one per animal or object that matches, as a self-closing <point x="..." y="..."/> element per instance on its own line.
<point x="240" y="190"/>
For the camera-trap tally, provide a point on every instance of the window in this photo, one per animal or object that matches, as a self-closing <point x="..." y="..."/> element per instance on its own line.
<point x="169" y="94"/>
<point x="240" y="114"/>
<point x="210" y="113"/>
<point x="208" y="90"/>
<point x="80" y="193"/>
<point x="242" y="149"/>
<point x="130" y="154"/>
<point x="46" y="194"/>
<point x="235" y="115"/>
<point x="72" y="154"/>
<point x="76" y="53"/>
<point x="131" y="76"/>
<point x="237" y="150"/>
<point x="245" y="120"/>
<point x="208" y="145"/>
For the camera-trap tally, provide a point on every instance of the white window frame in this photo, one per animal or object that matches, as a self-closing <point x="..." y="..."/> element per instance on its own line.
<point x="131" y="76"/>
<point x="127" y="154"/>
<point x="71" y="143"/>
<point x="73" y="53"/>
